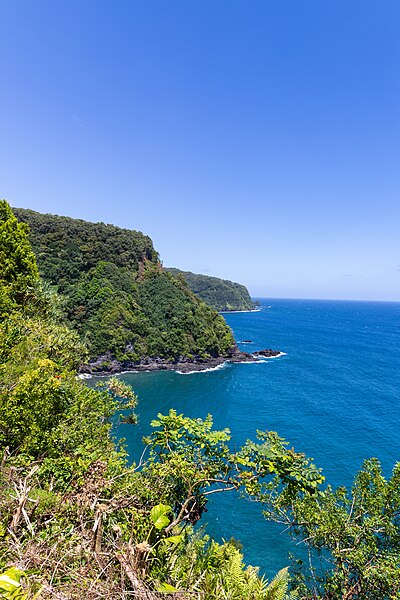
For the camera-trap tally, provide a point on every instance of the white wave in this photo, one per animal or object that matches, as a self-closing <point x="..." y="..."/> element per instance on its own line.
<point x="84" y="376"/>
<point x="256" y="361"/>
<point x="217" y="368"/>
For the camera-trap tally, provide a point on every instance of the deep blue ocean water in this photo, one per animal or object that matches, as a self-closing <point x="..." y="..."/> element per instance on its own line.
<point x="335" y="395"/>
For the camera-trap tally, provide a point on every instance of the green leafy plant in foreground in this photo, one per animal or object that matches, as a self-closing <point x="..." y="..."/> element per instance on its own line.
<point x="11" y="586"/>
<point x="194" y="461"/>
<point x="357" y="532"/>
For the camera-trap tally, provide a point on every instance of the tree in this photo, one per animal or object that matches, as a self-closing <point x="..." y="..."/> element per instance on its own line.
<point x="356" y="532"/>
<point x="192" y="462"/>
<point x="18" y="270"/>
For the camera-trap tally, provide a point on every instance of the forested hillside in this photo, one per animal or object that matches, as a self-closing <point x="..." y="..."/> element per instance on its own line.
<point x="117" y="295"/>
<point x="220" y="294"/>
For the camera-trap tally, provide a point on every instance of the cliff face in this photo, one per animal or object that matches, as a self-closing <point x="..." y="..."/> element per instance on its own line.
<point x="116" y="294"/>
<point x="220" y="294"/>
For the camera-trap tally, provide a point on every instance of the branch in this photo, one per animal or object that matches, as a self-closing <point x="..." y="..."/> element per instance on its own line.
<point x="180" y="514"/>
<point x="226" y="489"/>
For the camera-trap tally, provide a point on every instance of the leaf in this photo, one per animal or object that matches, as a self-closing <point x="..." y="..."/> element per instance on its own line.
<point x="174" y="539"/>
<point x="10" y="579"/>
<point x="166" y="588"/>
<point x="278" y="587"/>
<point x="158" y="515"/>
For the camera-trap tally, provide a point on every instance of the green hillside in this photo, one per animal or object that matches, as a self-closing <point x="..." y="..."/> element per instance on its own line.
<point x="220" y="294"/>
<point x="117" y="295"/>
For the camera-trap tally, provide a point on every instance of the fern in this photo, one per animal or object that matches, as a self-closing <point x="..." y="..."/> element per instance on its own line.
<point x="278" y="588"/>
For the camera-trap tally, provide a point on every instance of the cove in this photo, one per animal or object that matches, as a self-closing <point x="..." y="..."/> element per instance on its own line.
<point x="334" y="395"/>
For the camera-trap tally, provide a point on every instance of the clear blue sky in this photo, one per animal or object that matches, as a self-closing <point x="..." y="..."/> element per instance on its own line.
<point x="253" y="140"/>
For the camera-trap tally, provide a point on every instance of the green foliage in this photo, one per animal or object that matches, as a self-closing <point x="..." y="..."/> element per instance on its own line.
<point x="278" y="589"/>
<point x="220" y="294"/>
<point x="189" y="461"/>
<point x="295" y="474"/>
<point x="65" y="248"/>
<point x="10" y="584"/>
<point x="218" y="571"/>
<point x="67" y="495"/>
<point x="117" y="296"/>
<point x="25" y="339"/>
<point x="32" y="408"/>
<point x="18" y="271"/>
<point x="158" y="515"/>
<point x="357" y="530"/>
<point x="180" y="323"/>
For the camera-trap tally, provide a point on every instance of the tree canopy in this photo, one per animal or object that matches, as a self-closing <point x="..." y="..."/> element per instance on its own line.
<point x="18" y="271"/>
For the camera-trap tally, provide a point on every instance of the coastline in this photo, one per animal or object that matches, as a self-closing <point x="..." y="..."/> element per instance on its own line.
<point x="228" y="312"/>
<point x="181" y="365"/>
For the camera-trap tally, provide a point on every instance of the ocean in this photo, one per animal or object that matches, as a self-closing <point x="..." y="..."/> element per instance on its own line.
<point x="334" y="394"/>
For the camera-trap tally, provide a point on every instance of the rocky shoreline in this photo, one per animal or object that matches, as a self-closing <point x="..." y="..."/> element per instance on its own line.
<point x="107" y="365"/>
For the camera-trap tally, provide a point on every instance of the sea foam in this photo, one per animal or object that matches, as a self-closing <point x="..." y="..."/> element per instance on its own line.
<point x="217" y="368"/>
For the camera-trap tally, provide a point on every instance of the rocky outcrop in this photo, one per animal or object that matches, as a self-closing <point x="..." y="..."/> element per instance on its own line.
<point x="267" y="353"/>
<point x="107" y="365"/>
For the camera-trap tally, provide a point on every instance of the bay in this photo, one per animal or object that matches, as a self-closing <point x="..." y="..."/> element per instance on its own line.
<point x="334" y="395"/>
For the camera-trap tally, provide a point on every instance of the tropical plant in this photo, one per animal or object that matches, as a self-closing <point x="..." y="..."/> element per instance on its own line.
<point x="193" y="461"/>
<point x="357" y="532"/>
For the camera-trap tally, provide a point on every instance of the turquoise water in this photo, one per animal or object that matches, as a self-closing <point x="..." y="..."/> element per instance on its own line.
<point x="335" y="395"/>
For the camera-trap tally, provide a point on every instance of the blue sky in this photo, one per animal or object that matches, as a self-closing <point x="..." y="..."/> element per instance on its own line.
<point x="253" y="140"/>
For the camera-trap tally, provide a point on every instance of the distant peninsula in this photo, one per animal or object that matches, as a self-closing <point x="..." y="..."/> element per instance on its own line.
<point x="221" y="294"/>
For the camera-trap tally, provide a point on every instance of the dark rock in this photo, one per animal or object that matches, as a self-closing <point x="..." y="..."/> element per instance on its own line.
<point x="107" y="365"/>
<point x="267" y="353"/>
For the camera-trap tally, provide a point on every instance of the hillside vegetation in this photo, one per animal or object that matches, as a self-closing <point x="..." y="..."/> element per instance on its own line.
<point x="220" y="294"/>
<point x="117" y="295"/>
